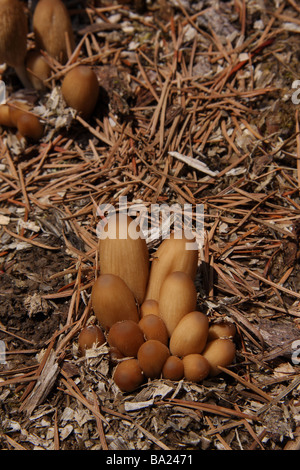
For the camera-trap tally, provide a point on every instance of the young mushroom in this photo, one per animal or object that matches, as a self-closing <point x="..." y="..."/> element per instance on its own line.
<point x="126" y="336"/>
<point x="177" y="297"/>
<point x="13" y="37"/>
<point x="5" y="117"/>
<point x="16" y="109"/>
<point x="173" y="368"/>
<point x="30" y="126"/>
<point x="219" y="352"/>
<point x="196" y="367"/>
<point x="222" y="329"/>
<point x="123" y="251"/>
<point x="176" y="253"/>
<point x="190" y="334"/>
<point x="128" y="375"/>
<point x="17" y="114"/>
<point x="90" y="335"/>
<point x="149" y="307"/>
<point x="154" y="327"/>
<point x="152" y="356"/>
<point x="53" y="29"/>
<point x="38" y="69"/>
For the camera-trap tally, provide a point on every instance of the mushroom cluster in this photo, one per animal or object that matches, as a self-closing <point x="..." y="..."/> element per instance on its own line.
<point x="148" y="311"/>
<point x="53" y="40"/>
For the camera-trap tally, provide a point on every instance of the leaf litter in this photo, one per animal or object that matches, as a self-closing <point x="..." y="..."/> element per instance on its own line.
<point x="197" y="107"/>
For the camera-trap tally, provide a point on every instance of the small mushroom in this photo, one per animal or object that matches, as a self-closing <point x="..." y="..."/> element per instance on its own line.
<point x="219" y="352"/>
<point x="149" y="307"/>
<point x="90" y="335"/>
<point x="223" y="329"/>
<point x="152" y="356"/>
<point x="30" y="126"/>
<point x="154" y="327"/>
<point x="177" y="297"/>
<point x="38" y="69"/>
<point x="113" y="301"/>
<point x="196" y="367"/>
<point x="190" y="334"/>
<point x="5" y="117"/>
<point x="80" y="90"/>
<point x="128" y="375"/>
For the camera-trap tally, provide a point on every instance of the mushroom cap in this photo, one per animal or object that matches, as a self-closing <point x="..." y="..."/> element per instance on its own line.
<point x="38" y="69"/>
<point x="51" y="23"/>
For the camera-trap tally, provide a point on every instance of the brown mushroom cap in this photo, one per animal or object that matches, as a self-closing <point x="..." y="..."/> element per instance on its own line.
<point x="196" y="367"/>
<point x="13" y="37"/>
<point x="126" y="336"/>
<point x="38" y="69"/>
<point x="149" y="307"/>
<point x="190" y="334"/>
<point x="152" y="356"/>
<point x="90" y="335"/>
<point x="177" y="297"/>
<point x="30" y="126"/>
<point x="5" y="117"/>
<point x="113" y="301"/>
<point x="173" y="368"/>
<point x="219" y="352"/>
<point x="51" y="25"/>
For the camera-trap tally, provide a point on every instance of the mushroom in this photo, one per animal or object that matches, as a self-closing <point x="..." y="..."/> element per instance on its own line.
<point x="173" y="368"/>
<point x="38" y="69"/>
<point x="152" y="356"/>
<point x="154" y="327"/>
<point x="13" y="37"/>
<point x="126" y="337"/>
<point x="80" y="90"/>
<point x="222" y="329"/>
<point x="113" y="301"/>
<point x="5" y="117"/>
<point x="149" y="307"/>
<point x="176" y="253"/>
<point x="30" y="126"/>
<point x="190" y="334"/>
<point x="17" y="114"/>
<point x="90" y="335"/>
<point x="177" y="297"/>
<point x="53" y="29"/>
<point x="219" y="352"/>
<point x="123" y="251"/>
<point x="128" y="375"/>
<point x="196" y="367"/>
